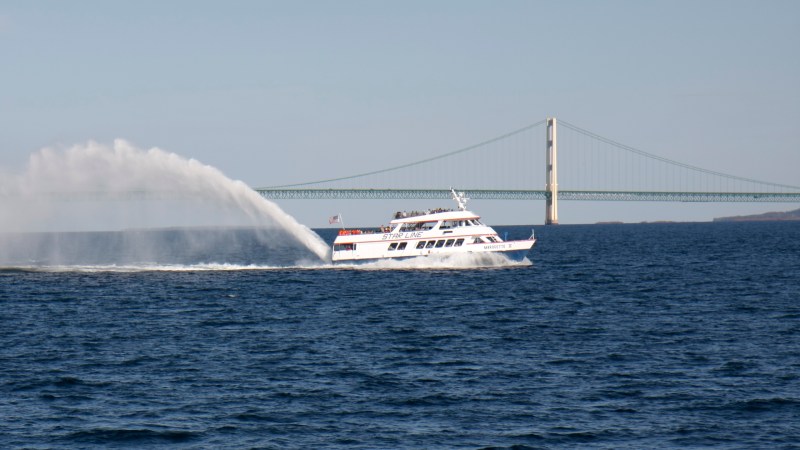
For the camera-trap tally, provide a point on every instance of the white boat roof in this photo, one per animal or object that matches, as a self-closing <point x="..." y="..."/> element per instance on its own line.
<point x="446" y="215"/>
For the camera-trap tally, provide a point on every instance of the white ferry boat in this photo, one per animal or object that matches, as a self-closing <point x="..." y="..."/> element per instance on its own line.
<point x="428" y="233"/>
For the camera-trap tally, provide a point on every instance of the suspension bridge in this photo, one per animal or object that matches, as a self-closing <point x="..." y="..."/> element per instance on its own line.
<point x="589" y="167"/>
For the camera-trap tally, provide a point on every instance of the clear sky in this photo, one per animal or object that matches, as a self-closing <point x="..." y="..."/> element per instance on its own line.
<point x="274" y="92"/>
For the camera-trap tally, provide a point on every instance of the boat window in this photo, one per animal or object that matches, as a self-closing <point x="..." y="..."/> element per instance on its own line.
<point x="420" y="244"/>
<point x="343" y="247"/>
<point x="491" y="239"/>
<point x="447" y="224"/>
<point x="410" y="226"/>
<point x="430" y="244"/>
<point x="440" y="243"/>
<point x="477" y="241"/>
<point x="428" y="225"/>
<point x="459" y="242"/>
<point x="449" y="243"/>
<point x="392" y="246"/>
<point x="417" y="226"/>
<point x="402" y="246"/>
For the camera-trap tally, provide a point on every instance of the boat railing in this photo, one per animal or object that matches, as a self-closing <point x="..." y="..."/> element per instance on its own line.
<point x="406" y="215"/>
<point x="344" y="232"/>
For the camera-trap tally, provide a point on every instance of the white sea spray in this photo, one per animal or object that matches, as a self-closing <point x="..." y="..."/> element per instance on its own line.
<point x="99" y="187"/>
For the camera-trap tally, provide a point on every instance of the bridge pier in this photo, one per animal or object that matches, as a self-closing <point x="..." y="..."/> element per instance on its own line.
<point x="551" y="187"/>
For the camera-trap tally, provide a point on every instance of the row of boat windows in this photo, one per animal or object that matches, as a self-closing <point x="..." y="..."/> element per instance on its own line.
<point x="397" y="246"/>
<point x="447" y="224"/>
<point x="460" y="223"/>
<point x="429" y="244"/>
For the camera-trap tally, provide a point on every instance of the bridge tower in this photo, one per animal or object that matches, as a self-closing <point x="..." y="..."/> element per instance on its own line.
<point x="551" y="187"/>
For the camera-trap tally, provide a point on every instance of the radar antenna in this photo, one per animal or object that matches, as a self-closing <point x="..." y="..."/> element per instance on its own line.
<point x="460" y="198"/>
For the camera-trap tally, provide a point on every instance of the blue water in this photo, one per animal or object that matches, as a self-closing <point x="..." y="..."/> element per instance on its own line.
<point x="617" y="336"/>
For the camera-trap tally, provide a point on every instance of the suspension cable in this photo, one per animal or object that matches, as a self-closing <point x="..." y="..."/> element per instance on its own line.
<point x="415" y="163"/>
<point x="670" y="161"/>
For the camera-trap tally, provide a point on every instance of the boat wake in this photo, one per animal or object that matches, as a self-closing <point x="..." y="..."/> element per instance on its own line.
<point x="140" y="268"/>
<point x="450" y="262"/>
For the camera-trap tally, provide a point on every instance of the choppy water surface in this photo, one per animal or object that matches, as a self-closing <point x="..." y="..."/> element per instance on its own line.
<point x="617" y="336"/>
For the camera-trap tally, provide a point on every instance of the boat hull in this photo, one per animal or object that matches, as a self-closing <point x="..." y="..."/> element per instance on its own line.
<point x="514" y="251"/>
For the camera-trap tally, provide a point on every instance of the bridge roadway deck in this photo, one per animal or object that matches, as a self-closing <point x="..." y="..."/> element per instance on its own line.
<point x="486" y="194"/>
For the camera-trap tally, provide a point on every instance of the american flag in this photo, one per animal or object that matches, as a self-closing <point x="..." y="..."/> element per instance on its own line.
<point x="335" y="219"/>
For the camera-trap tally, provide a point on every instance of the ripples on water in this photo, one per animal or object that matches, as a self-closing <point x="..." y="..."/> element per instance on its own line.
<point x="637" y="336"/>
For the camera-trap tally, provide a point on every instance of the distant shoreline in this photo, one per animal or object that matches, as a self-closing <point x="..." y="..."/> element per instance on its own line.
<point x="787" y="216"/>
<point x="766" y="217"/>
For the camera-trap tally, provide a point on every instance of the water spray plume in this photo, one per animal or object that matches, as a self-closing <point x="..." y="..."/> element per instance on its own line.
<point x="94" y="187"/>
